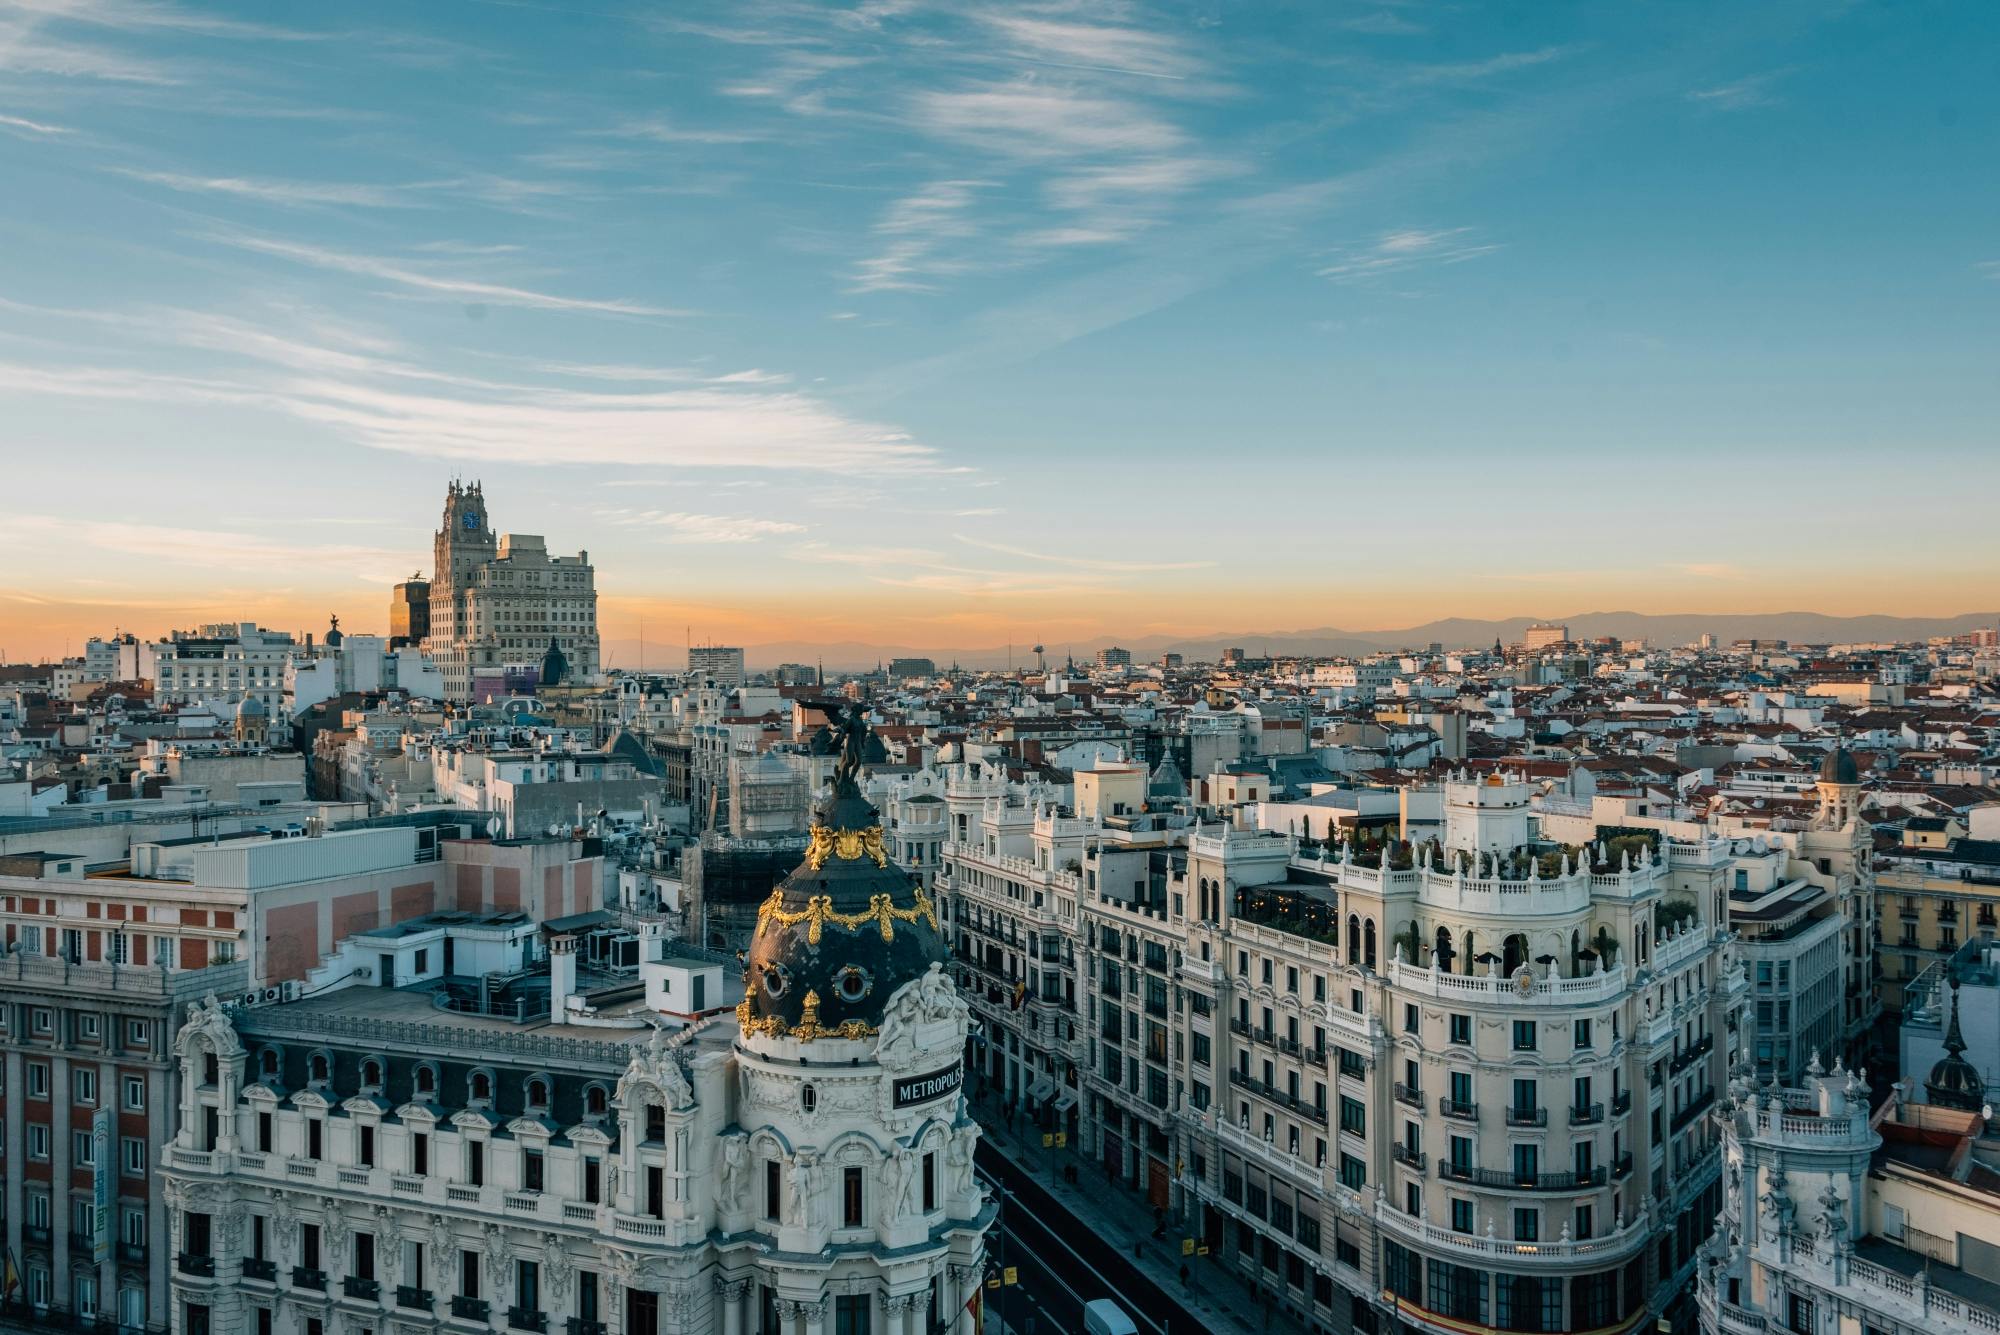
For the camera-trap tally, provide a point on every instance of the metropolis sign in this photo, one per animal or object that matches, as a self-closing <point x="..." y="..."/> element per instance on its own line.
<point x="924" y="1088"/>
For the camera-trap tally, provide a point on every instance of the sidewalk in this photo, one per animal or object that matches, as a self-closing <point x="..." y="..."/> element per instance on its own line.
<point x="1223" y="1302"/>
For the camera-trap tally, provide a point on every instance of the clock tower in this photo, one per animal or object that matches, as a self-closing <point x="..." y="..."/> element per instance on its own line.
<point x="464" y="542"/>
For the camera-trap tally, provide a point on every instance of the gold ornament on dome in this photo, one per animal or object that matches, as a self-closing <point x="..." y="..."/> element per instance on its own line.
<point x="819" y="911"/>
<point x="806" y="1030"/>
<point x="847" y="845"/>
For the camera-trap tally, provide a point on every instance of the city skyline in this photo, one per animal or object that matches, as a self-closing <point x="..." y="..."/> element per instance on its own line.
<point x="1016" y="323"/>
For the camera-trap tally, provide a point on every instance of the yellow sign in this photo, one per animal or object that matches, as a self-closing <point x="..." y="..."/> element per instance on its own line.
<point x="1047" y="1140"/>
<point x="1201" y="1250"/>
<point x="1187" y="1246"/>
<point x="1062" y="1139"/>
<point x="993" y="1283"/>
<point x="1011" y="1275"/>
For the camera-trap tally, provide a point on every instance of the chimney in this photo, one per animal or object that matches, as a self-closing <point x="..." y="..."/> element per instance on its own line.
<point x="562" y="975"/>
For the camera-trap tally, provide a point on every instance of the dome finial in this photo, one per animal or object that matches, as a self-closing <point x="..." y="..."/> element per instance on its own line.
<point x="1955" y="1082"/>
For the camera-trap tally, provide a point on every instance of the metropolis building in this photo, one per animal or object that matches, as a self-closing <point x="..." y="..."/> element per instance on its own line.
<point x="499" y="603"/>
<point x="799" y="1166"/>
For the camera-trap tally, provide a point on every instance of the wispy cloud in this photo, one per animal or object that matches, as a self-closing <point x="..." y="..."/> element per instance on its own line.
<point x="1741" y="94"/>
<point x="1036" y="121"/>
<point x="26" y="126"/>
<point x="1403" y="249"/>
<point x="207" y="548"/>
<point x="681" y="526"/>
<point x="25" y="53"/>
<point x="662" y="375"/>
<point x="386" y="399"/>
<point x="1080" y="562"/>
<point x="1096" y="47"/>
<point x="136" y="15"/>
<point x="436" y="284"/>
<point x="1473" y="71"/>
<point x="662" y="130"/>
<point x="915" y="232"/>
<point x="289" y="193"/>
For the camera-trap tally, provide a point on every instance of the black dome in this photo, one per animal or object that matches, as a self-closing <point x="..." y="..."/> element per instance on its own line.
<point x="1954" y="1081"/>
<point x="845" y="930"/>
<point x="1839" y="767"/>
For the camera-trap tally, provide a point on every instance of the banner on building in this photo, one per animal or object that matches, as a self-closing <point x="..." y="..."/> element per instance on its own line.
<point x="104" y="1186"/>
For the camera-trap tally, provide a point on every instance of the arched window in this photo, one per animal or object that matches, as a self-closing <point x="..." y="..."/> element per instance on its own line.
<point x="594" y="1100"/>
<point x="1368" y="944"/>
<point x="426" y="1080"/>
<point x="538" y="1093"/>
<point x="1353" y="938"/>
<point x="317" y="1070"/>
<point x="371" y="1074"/>
<point x="1513" y="954"/>
<point x="267" y="1063"/>
<point x="1442" y="951"/>
<point x="808" y="1097"/>
<point x="1468" y="953"/>
<point x="482" y="1087"/>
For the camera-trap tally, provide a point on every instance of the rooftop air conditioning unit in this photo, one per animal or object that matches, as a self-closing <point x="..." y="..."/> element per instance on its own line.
<point x="274" y="994"/>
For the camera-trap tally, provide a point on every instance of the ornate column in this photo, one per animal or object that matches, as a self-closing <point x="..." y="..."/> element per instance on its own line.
<point x="900" y="1312"/>
<point x="731" y="1295"/>
<point x="964" y="1283"/>
<point x="815" y="1314"/>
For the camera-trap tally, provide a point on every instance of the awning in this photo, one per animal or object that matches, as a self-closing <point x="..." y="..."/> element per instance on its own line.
<point x="1041" y="1089"/>
<point x="1066" y="1100"/>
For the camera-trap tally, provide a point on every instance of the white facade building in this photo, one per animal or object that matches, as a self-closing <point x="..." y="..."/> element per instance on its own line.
<point x="802" y="1166"/>
<point x="359" y="663"/>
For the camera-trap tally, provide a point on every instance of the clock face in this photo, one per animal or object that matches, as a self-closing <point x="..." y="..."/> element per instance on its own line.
<point x="471" y="521"/>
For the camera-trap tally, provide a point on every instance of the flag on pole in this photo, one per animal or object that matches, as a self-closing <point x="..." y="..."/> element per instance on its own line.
<point x="10" y="1278"/>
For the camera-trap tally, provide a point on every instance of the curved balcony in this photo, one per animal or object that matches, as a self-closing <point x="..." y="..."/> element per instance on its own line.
<point x="1506" y="1179"/>
<point x="1477" y="990"/>
<point x="1465" y="1247"/>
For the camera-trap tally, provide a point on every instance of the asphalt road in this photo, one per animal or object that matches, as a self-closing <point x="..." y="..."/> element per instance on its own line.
<point x="1064" y="1264"/>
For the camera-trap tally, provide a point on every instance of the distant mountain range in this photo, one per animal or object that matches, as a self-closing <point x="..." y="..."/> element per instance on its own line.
<point x="1452" y="633"/>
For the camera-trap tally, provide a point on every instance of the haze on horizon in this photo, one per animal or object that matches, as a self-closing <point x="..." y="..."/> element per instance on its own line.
<point x="947" y="327"/>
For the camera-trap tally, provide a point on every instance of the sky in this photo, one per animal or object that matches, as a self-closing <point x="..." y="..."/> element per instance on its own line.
<point x="949" y="325"/>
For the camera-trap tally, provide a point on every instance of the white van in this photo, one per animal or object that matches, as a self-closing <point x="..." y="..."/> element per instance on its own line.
<point x="1104" y="1317"/>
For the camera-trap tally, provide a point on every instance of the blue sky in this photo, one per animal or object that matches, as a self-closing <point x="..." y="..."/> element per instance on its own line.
<point x="952" y="324"/>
